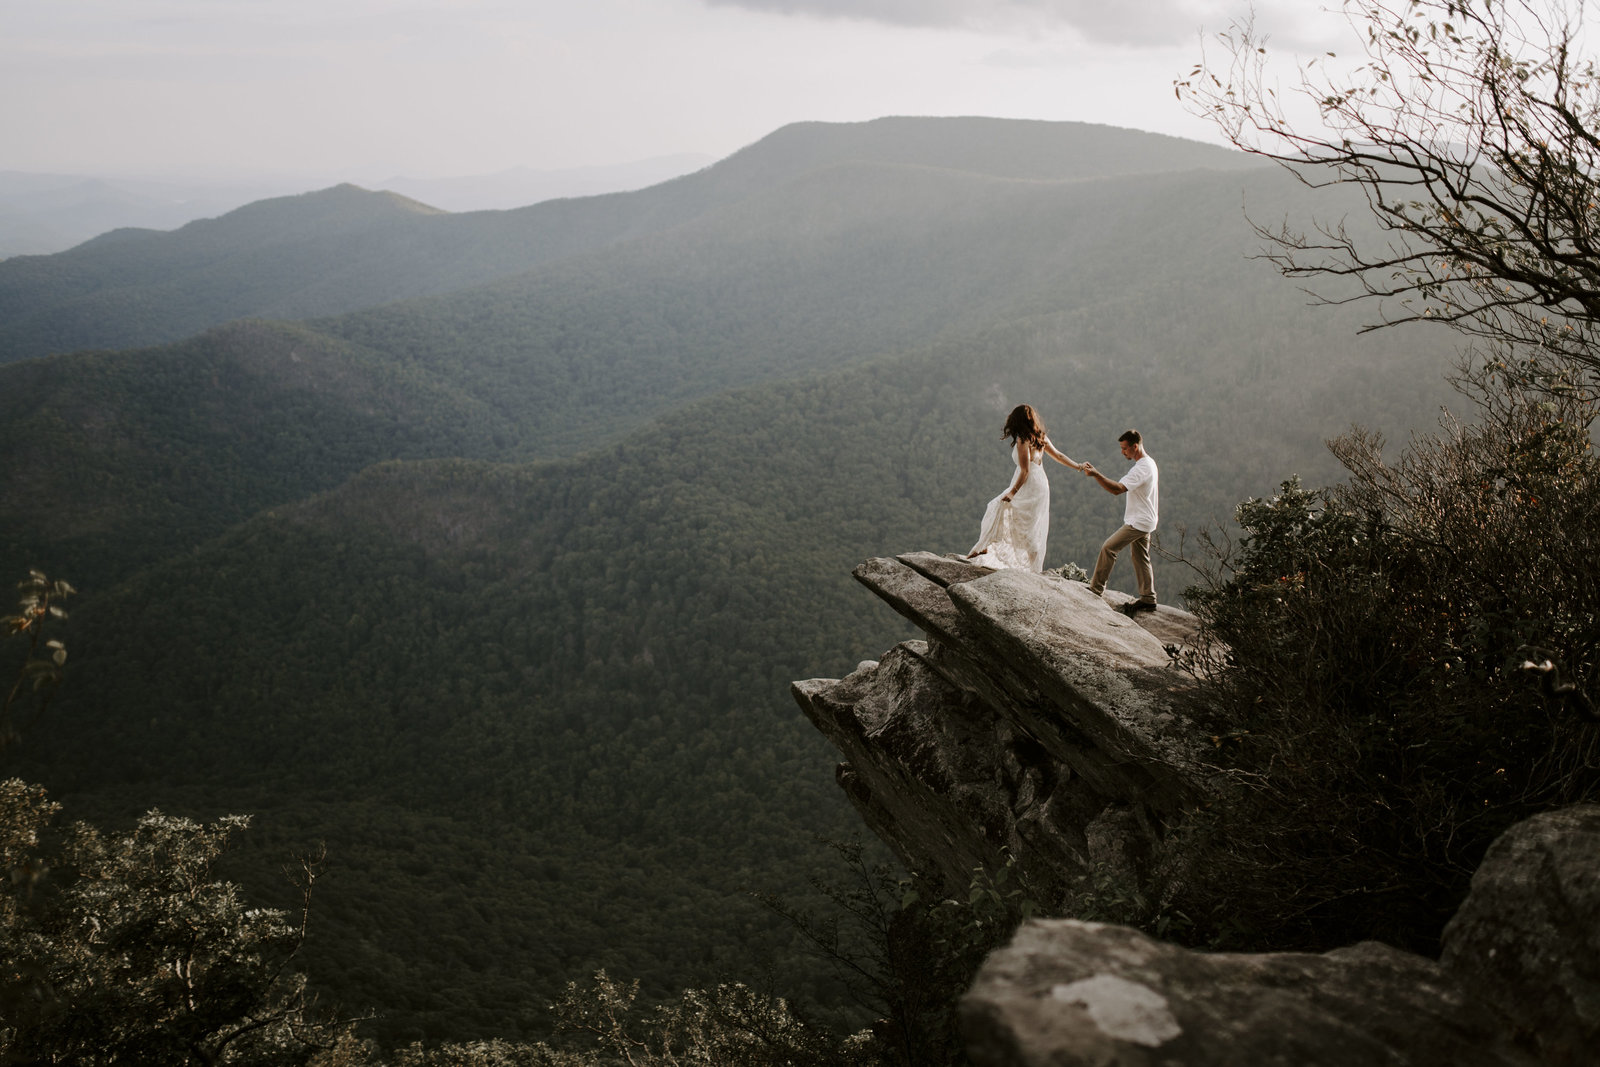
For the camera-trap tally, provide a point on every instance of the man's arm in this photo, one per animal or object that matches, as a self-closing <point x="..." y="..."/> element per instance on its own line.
<point x="1114" y="488"/>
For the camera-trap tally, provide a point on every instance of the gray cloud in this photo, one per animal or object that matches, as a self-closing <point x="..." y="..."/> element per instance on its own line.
<point x="1125" y="23"/>
<point x="1132" y="23"/>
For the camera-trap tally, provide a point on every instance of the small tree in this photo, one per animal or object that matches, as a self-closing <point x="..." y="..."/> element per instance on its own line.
<point x="906" y="949"/>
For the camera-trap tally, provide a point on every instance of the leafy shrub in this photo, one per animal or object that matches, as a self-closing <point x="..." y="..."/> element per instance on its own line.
<point x="124" y="949"/>
<point x="1363" y="655"/>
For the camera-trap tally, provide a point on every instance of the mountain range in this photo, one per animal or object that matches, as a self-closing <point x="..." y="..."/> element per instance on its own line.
<point x="484" y="546"/>
<point x="44" y="213"/>
<point x="345" y="248"/>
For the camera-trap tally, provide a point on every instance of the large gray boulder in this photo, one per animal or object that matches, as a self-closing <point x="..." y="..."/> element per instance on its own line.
<point x="1068" y="993"/>
<point x="1527" y="938"/>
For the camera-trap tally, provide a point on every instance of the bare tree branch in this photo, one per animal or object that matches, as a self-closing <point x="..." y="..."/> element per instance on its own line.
<point x="1470" y="126"/>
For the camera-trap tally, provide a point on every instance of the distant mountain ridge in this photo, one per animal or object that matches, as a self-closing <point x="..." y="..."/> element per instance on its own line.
<point x="345" y="249"/>
<point x="522" y="186"/>
<point x="1002" y="148"/>
<point x="42" y="213"/>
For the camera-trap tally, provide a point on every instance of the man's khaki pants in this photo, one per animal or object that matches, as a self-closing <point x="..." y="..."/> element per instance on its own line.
<point x="1141" y="562"/>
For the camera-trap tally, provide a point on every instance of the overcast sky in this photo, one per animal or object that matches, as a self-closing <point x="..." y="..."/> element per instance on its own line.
<point x="360" y="89"/>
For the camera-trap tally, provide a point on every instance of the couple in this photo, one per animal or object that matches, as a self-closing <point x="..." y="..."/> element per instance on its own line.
<point x="1017" y="522"/>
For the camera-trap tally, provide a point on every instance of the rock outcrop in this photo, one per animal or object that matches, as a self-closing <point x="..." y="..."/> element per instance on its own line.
<point x="1527" y="938"/>
<point x="1518" y="983"/>
<point x="1068" y="992"/>
<point x="1036" y="720"/>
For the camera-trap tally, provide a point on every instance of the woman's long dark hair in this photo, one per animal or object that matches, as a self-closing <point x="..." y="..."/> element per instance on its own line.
<point x="1024" y="425"/>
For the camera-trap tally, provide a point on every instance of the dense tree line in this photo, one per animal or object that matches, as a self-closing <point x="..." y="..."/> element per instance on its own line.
<point x="134" y="948"/>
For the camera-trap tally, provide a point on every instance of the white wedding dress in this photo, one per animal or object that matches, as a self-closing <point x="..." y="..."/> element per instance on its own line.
<point x="1014" y="534"/>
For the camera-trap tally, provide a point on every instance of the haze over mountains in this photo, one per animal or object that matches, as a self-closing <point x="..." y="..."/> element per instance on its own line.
<point x="45" y="213"/>
<point x="493" y="567"/>
<point x="521" y="186"/>
<point x="344" y="248"/>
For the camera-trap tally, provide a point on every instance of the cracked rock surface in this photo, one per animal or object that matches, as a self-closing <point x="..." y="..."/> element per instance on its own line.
<point x="1034" y="717"/>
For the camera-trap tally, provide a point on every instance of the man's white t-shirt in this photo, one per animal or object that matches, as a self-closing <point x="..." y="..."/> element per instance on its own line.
<point x="1141" y="508"/>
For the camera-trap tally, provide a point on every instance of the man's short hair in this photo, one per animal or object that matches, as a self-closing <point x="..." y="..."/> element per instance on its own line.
<point x="1132" y="437"/>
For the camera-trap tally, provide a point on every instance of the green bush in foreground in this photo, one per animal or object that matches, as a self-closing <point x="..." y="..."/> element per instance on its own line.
<point x="124" y="948"/>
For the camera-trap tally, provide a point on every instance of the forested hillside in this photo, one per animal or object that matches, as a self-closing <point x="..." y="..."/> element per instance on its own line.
<point x="346" y="248"/>
<point x="539" y="712"/>
<point x="499" y="593"/>
<point x="832" y="269"/>
<point x="119" y="459"/>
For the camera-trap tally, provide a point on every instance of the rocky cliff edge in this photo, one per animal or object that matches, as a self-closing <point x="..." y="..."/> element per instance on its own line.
<point x="1036" y="720"/>
<point x="1033" y="718"/>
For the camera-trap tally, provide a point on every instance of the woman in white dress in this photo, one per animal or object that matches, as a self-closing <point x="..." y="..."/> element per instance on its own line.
<point x="1017" y="522"/>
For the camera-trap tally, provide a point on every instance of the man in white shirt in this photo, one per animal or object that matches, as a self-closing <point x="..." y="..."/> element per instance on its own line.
<point x="1139" y="521"/>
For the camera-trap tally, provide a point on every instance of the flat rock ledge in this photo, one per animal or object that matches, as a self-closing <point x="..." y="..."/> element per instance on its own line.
<point x="1518" y="983"/>
<point x="1033" y="720"/>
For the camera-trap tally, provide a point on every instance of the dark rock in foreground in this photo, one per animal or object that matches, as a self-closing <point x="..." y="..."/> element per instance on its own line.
<point x="1527" y="938"/>
<point x="1068" y="992"/>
